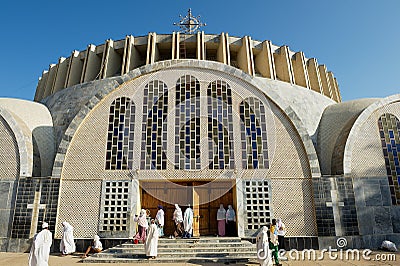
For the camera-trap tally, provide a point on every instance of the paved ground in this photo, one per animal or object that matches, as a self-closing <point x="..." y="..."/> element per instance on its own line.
<point x="17" y="259"/>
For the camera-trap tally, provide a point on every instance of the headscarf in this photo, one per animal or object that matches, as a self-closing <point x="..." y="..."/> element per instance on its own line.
<point x="230" y="214"/>
<point x="45" y="225"/>
<point x="141" y="220"/>
<point x="67" y="227"/>
<point x="221" y="213"/>
<point x="96" y="242"/>
<point x="178" y="217"/>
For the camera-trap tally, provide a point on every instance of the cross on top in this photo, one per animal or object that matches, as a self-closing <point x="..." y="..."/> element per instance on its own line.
<point x="190" y="24"/>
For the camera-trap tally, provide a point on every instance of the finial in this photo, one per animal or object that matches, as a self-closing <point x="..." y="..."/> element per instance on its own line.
<point x="190" y="24"/>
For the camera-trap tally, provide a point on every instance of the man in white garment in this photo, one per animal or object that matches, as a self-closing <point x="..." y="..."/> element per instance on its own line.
<point x="263" y="252"/>
<point x="40" y="250"/>
<point x="151" y="243"/>
<point x="188" y="223"/>
<point x="67" y="244"/>
<point x="160" y="220"/>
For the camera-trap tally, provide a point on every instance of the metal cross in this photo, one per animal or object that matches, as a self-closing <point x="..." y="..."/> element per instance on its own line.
<point x="190" y="24"/>
<point x="35" y="206"/>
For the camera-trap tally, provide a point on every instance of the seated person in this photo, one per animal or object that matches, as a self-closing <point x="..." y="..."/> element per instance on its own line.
<point x="96" y="246"/>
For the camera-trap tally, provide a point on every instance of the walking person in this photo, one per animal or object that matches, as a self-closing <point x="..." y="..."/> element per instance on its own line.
<point x="221" y="217"/>
<point x="177" y="217"/>
<point x="230" y="221"/>
<point x="151" y="243"/>
<point x="142" y="227"/>
<point x="281" y="233"/>
<point x="273" y="242"/>
<point x="67" y="244"/>
<point x="160" y="220"/>
<point x="40" y="250"/>
<point x="188" y="223"/>
<point x="263" y="251"/>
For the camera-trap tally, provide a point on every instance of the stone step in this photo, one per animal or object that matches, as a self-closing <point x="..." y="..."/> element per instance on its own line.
<point x="199" y="240"/>
<point x="183" y="250"/>
<point x="185" y="245"/>
<point x="204" y="250"/>
<point x="181" y="255"/>
<point x="195" y="260"/>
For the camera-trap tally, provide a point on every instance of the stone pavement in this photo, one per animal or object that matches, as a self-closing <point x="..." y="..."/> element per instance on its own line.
<point x="21" y="259"/>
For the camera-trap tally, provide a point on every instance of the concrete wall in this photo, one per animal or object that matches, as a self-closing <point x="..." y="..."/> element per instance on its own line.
<point x="253" y="57"/>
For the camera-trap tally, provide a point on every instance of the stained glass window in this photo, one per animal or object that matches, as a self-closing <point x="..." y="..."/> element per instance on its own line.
<point x="389" y="128"/>
<point x="253" y="134"/>
<point x="220" y="126"/>
<point x="187" y="123"/>
<point x="154" y="126"/>
<point x="119" y="154"/>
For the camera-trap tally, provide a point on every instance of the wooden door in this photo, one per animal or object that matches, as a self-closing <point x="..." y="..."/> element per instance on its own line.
<point x="210" y="196"/>
<point x="196" y="213"/>
<point x="166" y="194"/>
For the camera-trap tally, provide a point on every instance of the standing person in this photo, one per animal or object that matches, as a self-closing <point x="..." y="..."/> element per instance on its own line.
<point x="230" y="221"/>
<point x="188" y="223"/>
<point x="221" y="216"/>
<point x="151" y="243"/>
<point x="142" y="227"/>
<point x="281" y="233"/>
<point x="263" y="252"/>
<point x="160" y="220"/>
<point x="67" y="244"/>
<point x="273" y="243"/>
<point x="95" y="247"/>
<point x="178" y="219"/>
<point x="40" y="250"/>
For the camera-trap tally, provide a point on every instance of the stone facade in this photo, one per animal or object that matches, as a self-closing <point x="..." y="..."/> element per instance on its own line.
<point x="328" y="169"/>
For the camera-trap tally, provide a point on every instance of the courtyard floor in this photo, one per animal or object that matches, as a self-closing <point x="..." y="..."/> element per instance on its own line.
<point x="376" y="258"/>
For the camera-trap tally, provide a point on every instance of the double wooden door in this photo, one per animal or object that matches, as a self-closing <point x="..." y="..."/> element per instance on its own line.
<point x="203" y="197"/>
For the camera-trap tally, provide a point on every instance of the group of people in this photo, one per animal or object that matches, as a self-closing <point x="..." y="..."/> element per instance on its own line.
<point x="269" y="242"/>
<point x="149" y="234"/>
<point x="42" y="241"/>
<point x="226" y="221"/>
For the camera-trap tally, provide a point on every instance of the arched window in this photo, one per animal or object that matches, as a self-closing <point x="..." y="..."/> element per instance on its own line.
<point x="119" y="154"/>
<point x="389" y="128"/>
<point x="220" y="125"/>
<point x="187" y="123"/>
<point x="253" y="134"/>
<point x="154" y="126"/>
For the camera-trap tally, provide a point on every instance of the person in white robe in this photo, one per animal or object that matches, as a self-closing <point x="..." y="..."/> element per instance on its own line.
<point x="188" y="223"/>
<point x="221" y="216"/>
<point x="151" y="244"/>
<point x="67" y="244"/>
<point x="40" y="250"/>
<point x="177" y="217"/>
<point x="263" y="252"/>
<point x="160" y="220"/>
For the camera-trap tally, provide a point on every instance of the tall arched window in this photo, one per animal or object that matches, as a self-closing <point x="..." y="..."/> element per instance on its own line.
<point x="220" y="125"/>
<point x="119" y="154"/>
<point x="154" y="126"/>
<point x="253" y="134"/>
<point x="389" y="129"/>
<point x="187" y="123"/>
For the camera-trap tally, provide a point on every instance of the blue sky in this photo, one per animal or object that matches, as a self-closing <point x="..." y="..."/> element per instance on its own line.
<point x="359" y="41"/>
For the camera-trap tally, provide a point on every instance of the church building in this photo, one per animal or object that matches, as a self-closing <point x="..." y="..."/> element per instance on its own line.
<point x="198" y="120"/>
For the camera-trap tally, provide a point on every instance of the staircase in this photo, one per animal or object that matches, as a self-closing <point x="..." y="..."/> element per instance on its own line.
<point x="194" y="250"/>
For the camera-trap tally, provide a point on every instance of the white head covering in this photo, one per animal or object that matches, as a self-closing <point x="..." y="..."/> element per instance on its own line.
<point x="67" y="226"/>
<point x="45" y="225"/>
<point x="142" y="212"/>
<point x="177" y="207"/>
<point x="96" y="238"/>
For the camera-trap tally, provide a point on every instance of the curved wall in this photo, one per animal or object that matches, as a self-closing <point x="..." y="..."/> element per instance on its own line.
<point x="84" y="166"/>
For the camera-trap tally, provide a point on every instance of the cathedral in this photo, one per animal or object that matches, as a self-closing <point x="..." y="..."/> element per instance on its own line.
<point x="198" y="120"/>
